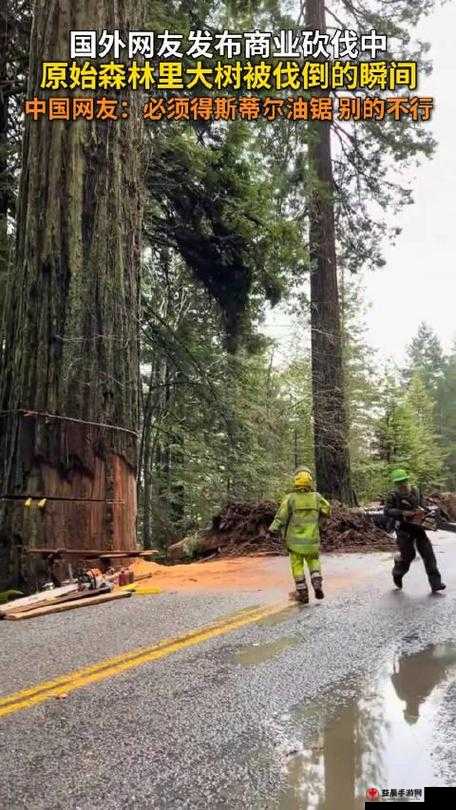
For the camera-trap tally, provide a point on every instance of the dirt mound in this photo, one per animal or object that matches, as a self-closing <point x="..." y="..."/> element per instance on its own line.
<point x="241" y="528"/>
<point x="352" y="530"/>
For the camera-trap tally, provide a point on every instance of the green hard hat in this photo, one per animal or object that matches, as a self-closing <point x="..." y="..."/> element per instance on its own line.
<point x="399" y="475"/>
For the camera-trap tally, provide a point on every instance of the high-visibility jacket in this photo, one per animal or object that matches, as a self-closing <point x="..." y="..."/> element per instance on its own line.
<point x="299" y="520"/>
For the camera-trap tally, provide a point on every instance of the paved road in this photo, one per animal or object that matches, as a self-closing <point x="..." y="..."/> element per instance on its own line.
<point x="291" y="707"/>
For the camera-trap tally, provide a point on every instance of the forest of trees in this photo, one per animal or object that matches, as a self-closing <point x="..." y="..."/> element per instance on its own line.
<point x="144" y="307"/>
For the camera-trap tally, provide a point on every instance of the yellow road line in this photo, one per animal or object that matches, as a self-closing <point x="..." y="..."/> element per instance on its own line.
<point x="64" y="684"/>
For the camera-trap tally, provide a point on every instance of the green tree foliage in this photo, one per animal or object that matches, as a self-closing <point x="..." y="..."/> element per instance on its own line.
<point x="425" y="357"/>
<point x="427" y="455"/>
<point x="371" y="161"/>
<point x="296" y="385"/>
<point x="15" y="22"/>
<point x="226" y="230"/>
<point x="348" y="176"/>
<point x="447" y="411"/>
<point x="211" y="202"/>
<point x="213" y="195"/>
<point x="215" y="425"/>
<point x="361" y="380"/>
<point x="406" y="434"/>
<point x="437" y="371"/>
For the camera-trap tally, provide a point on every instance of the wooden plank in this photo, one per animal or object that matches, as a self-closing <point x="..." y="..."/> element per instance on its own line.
<point x="60" y="599"/>
<point x="44" y="611"/>
<point x="90" y="553"/>
<point x="41" y="596"/>
<point x="115" y="554"/>
<point x="93" y="552"/>
<point x="87" y="553"/>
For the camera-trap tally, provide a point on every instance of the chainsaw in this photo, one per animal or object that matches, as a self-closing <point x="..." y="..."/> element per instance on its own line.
<point x="434" y="520"/>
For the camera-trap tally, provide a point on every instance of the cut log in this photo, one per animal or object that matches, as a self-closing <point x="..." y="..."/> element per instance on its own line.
<point x="195" y="546"/>
<point x="44" y="611"/>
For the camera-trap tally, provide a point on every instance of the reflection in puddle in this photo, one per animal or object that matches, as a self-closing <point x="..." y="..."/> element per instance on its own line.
<point x="380" y="739"/>
<point x="257" y="654"/>
<point x="415" y="676"/>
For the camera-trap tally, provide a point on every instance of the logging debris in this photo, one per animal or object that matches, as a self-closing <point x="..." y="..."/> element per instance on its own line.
<point x="241" y="528"/>
<point x="446" y="501"/>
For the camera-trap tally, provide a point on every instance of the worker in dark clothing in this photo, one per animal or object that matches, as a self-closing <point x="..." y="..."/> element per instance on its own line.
<point x="403" y="504"/>
<point x="416" y="676"/>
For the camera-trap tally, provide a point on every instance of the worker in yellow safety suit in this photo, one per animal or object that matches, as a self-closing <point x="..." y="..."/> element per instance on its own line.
<point x="299" y="519"/>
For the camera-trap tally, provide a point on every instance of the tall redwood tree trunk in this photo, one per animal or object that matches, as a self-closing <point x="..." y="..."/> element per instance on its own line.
<point x="5" y="192"/>
<point x="330" y="418"/>
<point x="73" y="309"/>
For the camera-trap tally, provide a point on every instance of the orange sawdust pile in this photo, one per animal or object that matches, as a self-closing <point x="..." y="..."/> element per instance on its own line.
<point x="247" y="574"/>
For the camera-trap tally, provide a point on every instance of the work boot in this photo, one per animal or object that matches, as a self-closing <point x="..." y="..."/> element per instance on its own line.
<point x="317" y="583"/>
<point x="299" y="596"/>
<point x="302" y="592"/>
<point x="302" y="596"/>
<point x="397" y="579"/>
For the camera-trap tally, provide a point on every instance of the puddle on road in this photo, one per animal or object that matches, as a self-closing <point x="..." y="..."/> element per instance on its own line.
<point x="382" y="738"/>
<point x="258" y="653"/>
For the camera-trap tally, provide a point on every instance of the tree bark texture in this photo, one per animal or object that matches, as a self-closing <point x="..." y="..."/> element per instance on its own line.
<point x="332" y="460"/>
<point x="72" y="327"/>
<point x="5" y="193"/>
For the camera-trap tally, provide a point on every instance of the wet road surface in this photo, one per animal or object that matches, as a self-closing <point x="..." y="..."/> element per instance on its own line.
<point x="305" y="708"/>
